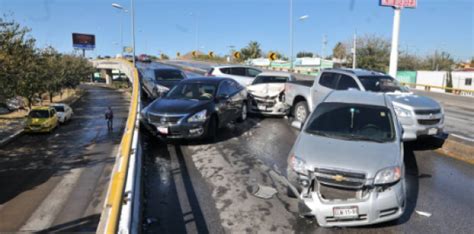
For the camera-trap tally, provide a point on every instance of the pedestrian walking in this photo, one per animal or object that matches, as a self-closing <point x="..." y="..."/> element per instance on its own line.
<point x="109" y="116"/>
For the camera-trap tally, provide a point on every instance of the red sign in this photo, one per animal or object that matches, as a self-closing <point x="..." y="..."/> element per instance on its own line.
<point x="399" y="3"/>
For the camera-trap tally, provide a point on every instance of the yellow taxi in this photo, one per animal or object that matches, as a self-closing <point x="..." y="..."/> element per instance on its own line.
<point x="41" y="119"/>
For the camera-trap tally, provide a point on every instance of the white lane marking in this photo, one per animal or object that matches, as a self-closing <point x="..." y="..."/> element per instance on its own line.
<point x="462" y="137"/>
<point x="46" y="213"/>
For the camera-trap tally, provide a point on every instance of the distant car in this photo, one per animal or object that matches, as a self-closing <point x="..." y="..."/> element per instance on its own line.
<point x="267" y="93"/>
<point x="63" y="111"/>
<point x="144" y="58"/>
<point x="157" y="81"/>
<point x="196" y="108"/>
<point x="242" y="74"/>
<point x="42" y="119"/>
<point x="346" y="165"/>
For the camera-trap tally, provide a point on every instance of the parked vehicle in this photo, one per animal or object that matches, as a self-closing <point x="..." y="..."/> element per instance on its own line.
<point x="266" y="93"/>
<point x="157" y="81"/>
<point x="346" y="166"/>
<point x="42" y="119"/>
<point x="419" y="115"/>
<point x="196" y="108"/>
<point x="63" y="111"/>
<point x="242" y="74"/>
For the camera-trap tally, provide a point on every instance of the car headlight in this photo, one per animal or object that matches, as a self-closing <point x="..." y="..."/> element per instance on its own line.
<point x="298" y="164"/>
<point x="198" y="117"/>
<point x="402" y="112"/>
<point x="388" y="175"/>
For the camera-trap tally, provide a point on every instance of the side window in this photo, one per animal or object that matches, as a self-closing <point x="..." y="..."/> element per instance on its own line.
<point x="252" y="72"/>
<point x="328" y="80"/>
<point x="224" y="88"/>
<point x="225" y="70"/>
<point x="234" y="87"/>
<point x="346" y="82"/>
<point x="238" y="71"/>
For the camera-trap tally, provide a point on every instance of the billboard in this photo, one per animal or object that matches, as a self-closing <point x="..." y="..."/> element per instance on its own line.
<point x="399" y="3"/>
<point x="83" y="41"/>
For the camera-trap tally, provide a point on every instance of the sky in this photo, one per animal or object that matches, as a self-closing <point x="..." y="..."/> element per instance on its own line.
<point x="170" y="26"/>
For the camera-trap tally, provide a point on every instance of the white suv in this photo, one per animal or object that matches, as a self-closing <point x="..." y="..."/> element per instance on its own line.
<point x="242" y="74"/>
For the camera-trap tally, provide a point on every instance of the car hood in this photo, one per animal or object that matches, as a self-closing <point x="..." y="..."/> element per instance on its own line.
<point x="266" y="90"/>
<point x="413" y="100"/>
<point x="358" y="156"/>
<point x="177" y="106"/>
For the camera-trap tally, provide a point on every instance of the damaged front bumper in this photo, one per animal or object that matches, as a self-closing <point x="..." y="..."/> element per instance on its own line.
<point x="268" y="106"/>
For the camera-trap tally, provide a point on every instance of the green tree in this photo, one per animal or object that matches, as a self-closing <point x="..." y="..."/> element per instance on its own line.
<point x="339" y="51"/>
<point x="408" y="62"/>
<point x="373" y="53"/>
<point x="303" y="54"/>
<point x="251" y="51"/>
<point x="439" y="62"/>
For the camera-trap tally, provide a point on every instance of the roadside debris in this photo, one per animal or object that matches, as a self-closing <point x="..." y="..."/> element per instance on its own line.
<point x="264" y="192"/>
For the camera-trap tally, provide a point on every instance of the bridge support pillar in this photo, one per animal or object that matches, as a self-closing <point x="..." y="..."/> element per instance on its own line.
<point x="107" y="74"/>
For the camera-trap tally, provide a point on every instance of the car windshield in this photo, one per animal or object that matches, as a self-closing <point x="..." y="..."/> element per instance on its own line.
<point x="59" y="108"/>
<point x="197" y="91"/>
<point x="270" y="79"/>
<point x="352" y="122"/>
<point x="39" y="114"/>
<point x="381" y="84"/>
<point x="168" y="74"/>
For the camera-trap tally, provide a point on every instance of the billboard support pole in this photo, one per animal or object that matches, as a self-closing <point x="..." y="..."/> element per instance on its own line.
<point x="83" y="53"/>
<point x="395" y="36"/>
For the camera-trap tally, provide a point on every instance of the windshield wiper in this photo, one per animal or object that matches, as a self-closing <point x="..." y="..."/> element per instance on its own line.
<point x="365" y="138"/>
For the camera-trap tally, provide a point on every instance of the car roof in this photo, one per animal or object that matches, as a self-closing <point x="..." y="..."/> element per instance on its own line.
<point x="156" y="66"/>
<point x="271" y="73"/>
<point x="58" y="104"/>
<point x="227" y="66"/>
<point x="203" y="79"/>
<point x="357" y="72"/>
<point x="357" y="97"/>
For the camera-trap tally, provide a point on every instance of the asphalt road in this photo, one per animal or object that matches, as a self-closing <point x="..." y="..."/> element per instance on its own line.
<point x="196" y="187"/>
<point x="57" y="182"/>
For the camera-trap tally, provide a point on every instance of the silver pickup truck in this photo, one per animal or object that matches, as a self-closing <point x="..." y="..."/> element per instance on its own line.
<point x="419" y="115"/>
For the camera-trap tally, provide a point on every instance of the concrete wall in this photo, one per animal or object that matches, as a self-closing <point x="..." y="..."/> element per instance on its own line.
<point x="460" y="79"/>
<point x="435" y="78"/>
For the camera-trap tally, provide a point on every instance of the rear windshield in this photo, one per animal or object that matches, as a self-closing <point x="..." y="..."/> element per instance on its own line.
<point x="352" y="122"/>
<point x="270" y="79"/>
<point x="39" y="114"/>
<point x="59" y="108"/>
<point x="168" y="74"/>
<point x="381" y="84"/>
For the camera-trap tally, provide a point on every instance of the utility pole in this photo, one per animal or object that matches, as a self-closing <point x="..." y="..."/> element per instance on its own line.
<point x="291" y="34"/>
<point x="132" y="8"/>
<point x="325" y="42"/>
<point x="354" y="52"/>
<point x="395" y="35"/>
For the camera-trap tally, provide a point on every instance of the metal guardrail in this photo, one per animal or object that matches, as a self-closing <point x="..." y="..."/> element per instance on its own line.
<point x="457" y="91"/>
<point x="124" y="192"/>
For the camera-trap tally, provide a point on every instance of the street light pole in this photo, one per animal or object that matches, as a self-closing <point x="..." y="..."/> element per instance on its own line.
<point x="394" y="50"/>
<point x="354" y="52"/>
<point x="132" y="8"/>
<point x="291" y="34"/>
<point x="122" y="9"/>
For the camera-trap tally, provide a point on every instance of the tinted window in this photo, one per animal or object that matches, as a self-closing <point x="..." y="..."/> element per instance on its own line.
<point x="328" y="80"/>
<point x="381" y="84"/>
<point x="59" y="108"/>
<point x="270" y="79"/>
<point x="198" y="91"/>
<point x="352" y="122"/>
<point x="39" y="114"/>
<point x="238" y="71"/>
<point x="224" y="88"/>
<point x="346" y="82"/>
<point x="253" y="72"/>
<point x="225" y="70"/>
<point x="234" y="87"/>
<point x="168" y="75"/>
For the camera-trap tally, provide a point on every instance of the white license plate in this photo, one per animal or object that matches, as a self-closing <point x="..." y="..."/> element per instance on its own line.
<point x="261" y="107"/>
<point x="163" y="130"/>
<point x="432" y="131"/>
<point x="345" y="212"/>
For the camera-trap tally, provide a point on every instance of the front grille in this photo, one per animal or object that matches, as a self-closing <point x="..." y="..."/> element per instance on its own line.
<point x="165" y="120"/>
<point x="428" y="112"/>
<point x="331" y="193"/>
<point x="340" y="178"/>
<point x="428" y="121"/>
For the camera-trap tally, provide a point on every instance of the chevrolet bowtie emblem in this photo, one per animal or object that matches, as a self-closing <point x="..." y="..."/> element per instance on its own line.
<point x="338" y="178"/>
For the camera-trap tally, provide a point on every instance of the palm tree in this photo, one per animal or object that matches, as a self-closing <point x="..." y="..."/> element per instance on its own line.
<point x="251" y="51"/>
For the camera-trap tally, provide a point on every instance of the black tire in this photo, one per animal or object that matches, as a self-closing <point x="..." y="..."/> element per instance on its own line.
<point x="211" y="134"/>
<point x="300" y="111"/>
<point x="243" y="113"/>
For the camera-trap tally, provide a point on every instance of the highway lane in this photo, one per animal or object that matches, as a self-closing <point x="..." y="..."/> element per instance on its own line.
<point x="209" y="187"/>
<point x="57" y="182"/>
